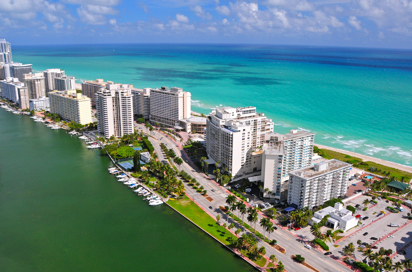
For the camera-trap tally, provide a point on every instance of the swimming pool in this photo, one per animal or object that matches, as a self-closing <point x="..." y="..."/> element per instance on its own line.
<point x="368" y="177"/>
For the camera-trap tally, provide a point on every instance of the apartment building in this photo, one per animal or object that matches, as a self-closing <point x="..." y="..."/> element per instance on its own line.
<point x="169" y="106"/>
<point x="5" y="52"/>
<point x="17" y="70"/>
<point x="15" y="91"/>
<point x="71" y="106"/>
<point x="313" y="185"/>
<point x="40" y="104"/>
<point x="141" y="102"/>
<point x="35" y="85"/>
<point x="114" y="106"/>
<point x="234" y="137"/>
<point x="64" y="83"/>
<point x="90" y="88"/>
<point x="49" y="76"/>
<point x="283" y="153"/>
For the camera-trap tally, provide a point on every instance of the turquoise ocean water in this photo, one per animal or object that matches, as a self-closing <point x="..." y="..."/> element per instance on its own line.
<point x="354" y="99"/>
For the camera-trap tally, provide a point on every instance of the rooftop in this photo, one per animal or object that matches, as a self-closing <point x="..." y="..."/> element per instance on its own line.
<point x="319" y="169"/>
<point x="398" y="185"/>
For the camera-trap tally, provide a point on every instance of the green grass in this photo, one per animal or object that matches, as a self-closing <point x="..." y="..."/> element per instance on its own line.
<point x="188" y="208"/>
<point x="358" y="163"/>
<point x="260" y="262"/>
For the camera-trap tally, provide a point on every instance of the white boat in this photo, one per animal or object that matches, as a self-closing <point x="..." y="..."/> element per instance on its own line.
<point x="115" y="172"/>
<point x="155" y="202"/>
<point x="146" y="194"/>
<point x="123" y="179"/>
<point x="112" y="168"/>
<point x="143" y="192"/>
<point x="55" y="127"/>
<point x="150" y="197"/>
<point x="121" y="176"/>
<point x="138" y="190"/>
<point x="93" y="146"/>
<point x="134" y="185"/>
<point x="83" y="137"/>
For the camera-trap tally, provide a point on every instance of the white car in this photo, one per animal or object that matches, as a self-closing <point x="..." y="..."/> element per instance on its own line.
<point x="237" y="185"/>
<point x="248" y="190"/>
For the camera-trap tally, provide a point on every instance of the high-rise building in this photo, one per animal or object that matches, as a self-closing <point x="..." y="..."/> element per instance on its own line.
<point x="18" y="70"/>
<point x="5" y="52"/>
<point x="114" y="110"/>
<point x="64" y="83"/>
<point x="90" y="88"/>
<point x="40" y="104"/>
<point x="234" y="137"/>
<point x="283" y="153"/>
<point x="15" y="91"/>
<point x="71" y="106"/>
<point x="314" y="185"/>
<point x="35" y="85"/>
<point x="49" y="76"/>
<point x="169" y="106"/>
<point x="141" y="102"/>
<point x="2" y="71"/>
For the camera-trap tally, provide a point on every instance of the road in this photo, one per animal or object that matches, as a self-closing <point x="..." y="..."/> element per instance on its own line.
<point x="284" y="238"/>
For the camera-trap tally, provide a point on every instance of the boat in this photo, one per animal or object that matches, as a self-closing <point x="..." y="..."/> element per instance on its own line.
<point x="55" y="127"/>
<point x="93" y="147"/>
<point x="123" y="179"/>
<point x="150" y="197"/>
<point x="83" y="137"/>
<point x="121" y="175"/>
<point x="134" y="185"/>
<point x="115" y="172"/>
<point x="138" y="190"/>
<point x="155" y="202"/>
<point x="146" y="194"/>
<point x="143" y="192"/>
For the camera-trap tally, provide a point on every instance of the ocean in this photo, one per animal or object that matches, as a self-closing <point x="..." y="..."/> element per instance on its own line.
<point x="352" y="98"/>
<point x="60" y="210"/>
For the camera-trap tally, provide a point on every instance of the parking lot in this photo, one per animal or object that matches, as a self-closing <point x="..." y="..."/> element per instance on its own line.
<point x="377" y="227"/>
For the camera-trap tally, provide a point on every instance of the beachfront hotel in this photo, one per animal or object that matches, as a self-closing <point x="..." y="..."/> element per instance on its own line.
<point x="90" y="88"/>
<point x="71" y="106"/>
<point x="234" y="136"/>
<point x="169" y="106"/>
<point x="35" y="85"/>
<point x="64" y="83"/>
<point x="5" y="51"/>
<point x="284" y="153"/>
<point x="17" y="70"/>
<point x="49" y="76"/>
<point x="114" y="105"/>
<point x="314" y="185"/>
<point x="15" y="91"/>
<point x="141" y="102"/>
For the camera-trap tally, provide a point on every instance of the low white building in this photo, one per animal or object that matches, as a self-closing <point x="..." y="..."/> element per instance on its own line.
<point x="40" y="104"/>
<point x="145" y="157"/>
<point x="340" y="218"/>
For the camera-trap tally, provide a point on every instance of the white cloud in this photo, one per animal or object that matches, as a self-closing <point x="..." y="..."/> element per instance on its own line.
<point x="223" y="10"/>
<point x="181" y="18"/>
<point x="300" y="5"/>
<point x="212" y="28"/>
<point x="200" y="12"/>
<point x="112" y="21"/>
<point x="381" y="35"/>
<point x="224" y="21"/>
<point x="101" y="10"/>
<point x="354" y="22"/>
<point x="93" y="2"/>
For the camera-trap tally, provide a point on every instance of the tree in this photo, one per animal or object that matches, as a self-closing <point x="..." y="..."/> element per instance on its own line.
<point x="273" y="259"/>
<point x="264" y="222"/>
<point x="238" y="231"/>
<point x="252" y="217"/>
<point x="242" y="209"/>
<point x="262" y="250"/>
<point x="140" y="120"/>
<point x="366" y="202"/>
<point x="136" y="162"/>
<point x="125" y="152"/>
<point x="218" y="218"/>
<point x="230" y="199"/>
<point x="349" y="249"/>
<point x="407" y="263"/>
<point x="280" y="267"/>
<point x="398" y="267"/>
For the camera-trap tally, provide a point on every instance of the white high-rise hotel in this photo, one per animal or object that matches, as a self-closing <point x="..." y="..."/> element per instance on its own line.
<point x="5" y="52"/>
<point x="233" y="135"/>
<point x="283" y="153"/>
<point x="313" y="185"/>
<point x="168" y="107"/>
<point x="114" y="105"/>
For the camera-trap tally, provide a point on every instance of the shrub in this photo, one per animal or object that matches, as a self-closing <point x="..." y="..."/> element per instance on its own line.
<point x="364" y="209"/>
<point x="363" y="267"/>
<point x="299" y="259"/>
<point x="351" y="208"/>
<point x="322" y="244"/>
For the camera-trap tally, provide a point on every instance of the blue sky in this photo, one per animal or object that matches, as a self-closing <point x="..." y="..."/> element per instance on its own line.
<point x="358" y="23"/>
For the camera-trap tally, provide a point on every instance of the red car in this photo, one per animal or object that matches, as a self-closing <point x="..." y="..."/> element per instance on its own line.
<point x="297" y="228"/>
<point x="357" y="216"/>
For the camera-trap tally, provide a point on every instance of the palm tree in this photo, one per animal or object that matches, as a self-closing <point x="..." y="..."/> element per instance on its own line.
<point x="269" y="229"/>
<point x="349" y="249"/>
<point x="367" y="253"/>
<point x="316" y="231"/>
<point x="398" y="266"/>
<point x="273" y="259"/>
<point x="230" y="199"/>
<point x="366" y="202"/>
<point x="252" y="217"/>
<point x="264" y="222"/>
<point x="242" y="209"/>
<point x="407" y="263"/>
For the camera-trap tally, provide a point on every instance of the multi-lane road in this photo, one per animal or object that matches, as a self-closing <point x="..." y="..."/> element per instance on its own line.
<point x="219" y="194"/>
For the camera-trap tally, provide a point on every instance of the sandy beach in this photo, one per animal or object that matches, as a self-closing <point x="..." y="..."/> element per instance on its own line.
<point x="369" y="158"/>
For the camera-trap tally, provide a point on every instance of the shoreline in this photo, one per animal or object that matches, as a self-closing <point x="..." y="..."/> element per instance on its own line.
<point x="396" y="165"/>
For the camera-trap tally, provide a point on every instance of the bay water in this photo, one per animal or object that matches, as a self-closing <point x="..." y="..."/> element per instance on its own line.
<point x="60" y="210"/>
<point x="356" y="99"/>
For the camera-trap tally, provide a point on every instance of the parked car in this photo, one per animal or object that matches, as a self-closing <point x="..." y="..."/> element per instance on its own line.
<point x="374" y="238"/>
<point x="328" y="253"/>
<point x="379" y="198"/>
<point x="357" y="216"/>
<point x="375" y="247"/>
<point x="365" y="217"/>
<point x="237" y="186"/>
<point x="308" y="246"/>
<point x="366" y="233"/>
<point x="357" y="206"/>
<point x="248" y="190"/>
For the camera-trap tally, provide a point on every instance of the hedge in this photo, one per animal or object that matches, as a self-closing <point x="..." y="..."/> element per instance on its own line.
<point x="363" y="267"/>
<point x="322" y="244"/>
<point x="148" y="144"/>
